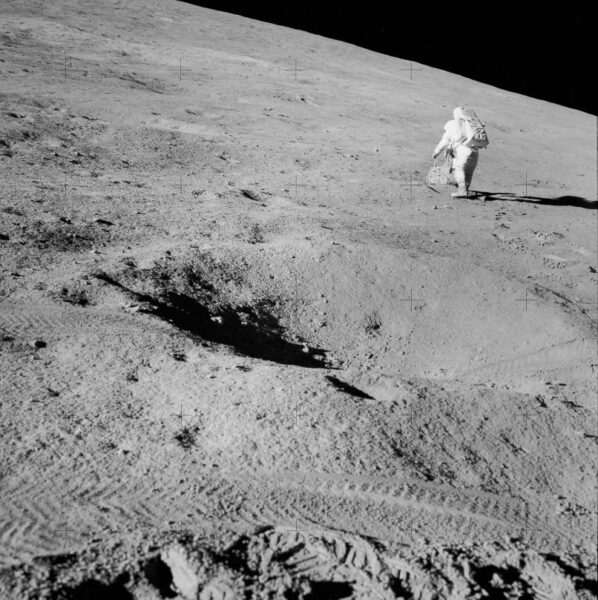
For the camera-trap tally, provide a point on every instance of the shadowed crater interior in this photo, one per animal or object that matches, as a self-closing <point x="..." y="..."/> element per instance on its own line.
<point x="252" y="330"/>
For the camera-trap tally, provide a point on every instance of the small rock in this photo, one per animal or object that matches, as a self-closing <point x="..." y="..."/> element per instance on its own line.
<point x="184" y="577"/>
<point x="218" y="320"/>
<point x="592" y="270"/>
<point x="37" y="344"/>
<point x="4" y="237"/>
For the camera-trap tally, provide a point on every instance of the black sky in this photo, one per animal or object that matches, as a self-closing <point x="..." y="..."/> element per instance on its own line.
<point x="545" y="50"/>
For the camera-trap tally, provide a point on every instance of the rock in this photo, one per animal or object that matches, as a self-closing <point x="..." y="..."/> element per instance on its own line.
<point x="184" y="578"/>
<point x="4" y="237"/>
<point x="37" y="344"/>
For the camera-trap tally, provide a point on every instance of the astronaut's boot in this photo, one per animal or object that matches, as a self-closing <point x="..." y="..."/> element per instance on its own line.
<point x="461" y="183"/>
<point x="461" y="191"/>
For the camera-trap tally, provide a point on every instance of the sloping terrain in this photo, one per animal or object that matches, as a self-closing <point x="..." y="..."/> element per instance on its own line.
<point x="246" y="353"/>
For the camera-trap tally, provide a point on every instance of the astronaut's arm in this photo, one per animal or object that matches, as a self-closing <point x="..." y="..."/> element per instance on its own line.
<point x="442" y="144"/>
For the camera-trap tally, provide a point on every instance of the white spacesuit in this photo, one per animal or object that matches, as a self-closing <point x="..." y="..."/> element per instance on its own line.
<point x="465" y="159"/>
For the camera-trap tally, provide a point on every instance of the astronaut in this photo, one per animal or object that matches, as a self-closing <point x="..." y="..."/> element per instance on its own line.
<point x="465" y="159"/>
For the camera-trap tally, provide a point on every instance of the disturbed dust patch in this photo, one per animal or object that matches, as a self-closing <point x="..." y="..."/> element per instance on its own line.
<point x="278" y="563"/>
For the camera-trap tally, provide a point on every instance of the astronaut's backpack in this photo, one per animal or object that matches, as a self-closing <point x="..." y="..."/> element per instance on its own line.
<point x="472" y="129"/>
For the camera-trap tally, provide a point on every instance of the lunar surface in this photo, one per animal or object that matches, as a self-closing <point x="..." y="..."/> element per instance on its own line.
<point x="245" y="351"/>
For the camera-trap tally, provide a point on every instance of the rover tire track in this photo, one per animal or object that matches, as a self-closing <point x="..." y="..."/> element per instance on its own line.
<point x="100" y="502"/>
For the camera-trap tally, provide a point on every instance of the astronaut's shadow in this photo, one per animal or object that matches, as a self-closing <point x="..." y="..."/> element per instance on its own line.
<point x="576" y="201"/>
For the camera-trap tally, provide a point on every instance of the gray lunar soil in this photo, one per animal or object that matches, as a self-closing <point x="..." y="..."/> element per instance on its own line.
<point x="246" y="353"/>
